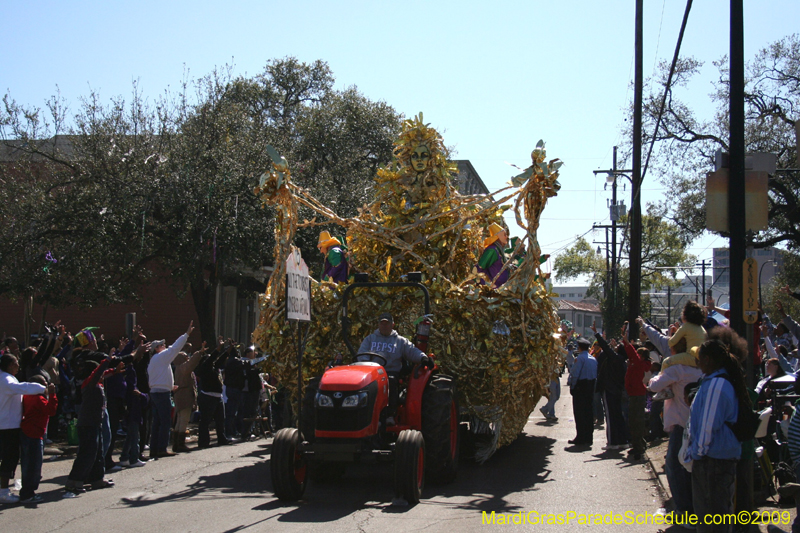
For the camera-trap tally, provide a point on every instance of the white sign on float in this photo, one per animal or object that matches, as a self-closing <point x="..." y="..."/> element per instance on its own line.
<point x="298" y="288"/>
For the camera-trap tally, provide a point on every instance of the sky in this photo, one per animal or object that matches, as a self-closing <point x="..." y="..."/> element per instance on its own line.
<point x="493" y="78"/>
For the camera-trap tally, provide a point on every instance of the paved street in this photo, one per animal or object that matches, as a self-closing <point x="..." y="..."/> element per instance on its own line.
<point x="228" y="489"/>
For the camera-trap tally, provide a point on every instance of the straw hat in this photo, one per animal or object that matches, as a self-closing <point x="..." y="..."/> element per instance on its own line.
<point x="494" y="234"/>
<point x="326" y="241"/>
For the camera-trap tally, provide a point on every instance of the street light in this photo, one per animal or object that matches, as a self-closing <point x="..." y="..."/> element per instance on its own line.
<point x="774" y="263"/>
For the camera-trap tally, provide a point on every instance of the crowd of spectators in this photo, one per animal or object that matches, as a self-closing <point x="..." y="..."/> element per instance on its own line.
<point x="686" y="383"/>
<point x="144" y="392"/>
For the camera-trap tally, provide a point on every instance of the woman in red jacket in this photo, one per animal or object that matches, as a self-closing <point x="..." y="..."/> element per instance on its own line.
<point x="638" y="363"/>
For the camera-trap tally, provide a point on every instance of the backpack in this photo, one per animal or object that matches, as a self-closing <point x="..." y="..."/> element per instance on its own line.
<point x="747" y="421"/>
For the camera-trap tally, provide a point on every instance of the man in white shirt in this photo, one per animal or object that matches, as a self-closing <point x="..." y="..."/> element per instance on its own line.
<point x="159" y="374"/>
<point x="11" y="393"/>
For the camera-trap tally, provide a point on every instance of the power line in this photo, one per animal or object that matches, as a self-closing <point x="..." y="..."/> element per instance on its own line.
<point x="658" y="41"/>
<point x="571" y="242"/>
<point x="667" y="86"/>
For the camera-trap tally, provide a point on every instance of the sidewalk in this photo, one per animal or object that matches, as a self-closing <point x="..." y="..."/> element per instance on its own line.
<point x="657" y="451"/>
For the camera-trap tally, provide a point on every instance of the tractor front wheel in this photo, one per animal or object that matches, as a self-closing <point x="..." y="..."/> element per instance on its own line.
<point x="409" y="465"/>
<point x="288" y="467"/>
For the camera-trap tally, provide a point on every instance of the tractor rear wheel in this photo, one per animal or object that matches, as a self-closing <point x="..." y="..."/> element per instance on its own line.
<point x="440" y="428"/>
<point x="288" y="467"/>
<point x="409" y="465"/>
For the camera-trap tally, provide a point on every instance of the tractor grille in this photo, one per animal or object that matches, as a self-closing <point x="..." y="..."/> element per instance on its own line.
<point x="338" y="418"/>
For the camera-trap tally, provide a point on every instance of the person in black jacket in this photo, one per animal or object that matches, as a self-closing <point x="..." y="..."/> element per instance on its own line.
<point x="88" y="464"/>
<point x="611" y="370"/>
<point x="234" y="381"/>
<point x="140" y="364"/>
<point x="209" y="395"/>
<point x="252" y="390"/>
<point x="32" y="359"/>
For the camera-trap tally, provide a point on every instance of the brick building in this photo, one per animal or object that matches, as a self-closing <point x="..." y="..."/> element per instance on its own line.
<point x="161" y="312"/>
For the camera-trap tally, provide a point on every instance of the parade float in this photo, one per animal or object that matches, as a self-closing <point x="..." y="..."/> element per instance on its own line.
<point x="501" y="344"/>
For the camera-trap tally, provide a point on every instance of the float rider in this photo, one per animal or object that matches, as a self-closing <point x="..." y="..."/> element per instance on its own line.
<point x="493" y="258"/>
<point x="335" y="267"/>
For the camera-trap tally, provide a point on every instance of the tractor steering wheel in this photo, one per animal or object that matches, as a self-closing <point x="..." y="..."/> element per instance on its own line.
<point x="372" y="356"/>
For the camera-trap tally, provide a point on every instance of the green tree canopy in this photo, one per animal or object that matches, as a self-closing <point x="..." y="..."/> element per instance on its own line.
<point x="686" y="142"/>
<point x="120" y="192"/>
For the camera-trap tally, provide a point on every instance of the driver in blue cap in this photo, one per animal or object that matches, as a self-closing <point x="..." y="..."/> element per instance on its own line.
<point x="385" y="341"/>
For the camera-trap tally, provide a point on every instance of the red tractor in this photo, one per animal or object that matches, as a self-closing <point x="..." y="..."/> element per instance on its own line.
<point x="346" y="416"/>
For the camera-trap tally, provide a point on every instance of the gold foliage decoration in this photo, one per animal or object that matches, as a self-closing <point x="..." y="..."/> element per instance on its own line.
<point x="501" y="344"/>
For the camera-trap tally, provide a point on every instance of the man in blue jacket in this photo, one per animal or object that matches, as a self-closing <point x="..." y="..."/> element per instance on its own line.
<point x="581" y="382"/>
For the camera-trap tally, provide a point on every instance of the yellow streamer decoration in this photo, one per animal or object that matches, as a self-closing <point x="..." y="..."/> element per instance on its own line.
<point x="501" y="344"/>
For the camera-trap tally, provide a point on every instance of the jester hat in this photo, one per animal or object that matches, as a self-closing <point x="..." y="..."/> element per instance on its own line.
<point x="85" y="337"/>
<point x="494" y="234"/>
<point x="326" y="241"/>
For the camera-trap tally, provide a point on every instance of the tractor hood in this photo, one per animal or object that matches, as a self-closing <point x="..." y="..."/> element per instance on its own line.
<point x="351" y="377"/>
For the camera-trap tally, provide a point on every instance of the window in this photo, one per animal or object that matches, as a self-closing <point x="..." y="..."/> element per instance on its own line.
<point x="572" y="295"/>
<point x="579" y="320"/>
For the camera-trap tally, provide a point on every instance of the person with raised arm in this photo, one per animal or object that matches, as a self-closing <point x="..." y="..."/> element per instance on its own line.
<point x="638" y="363"/>
<point x="162" y="382"/>
<point x="611" y="384"/>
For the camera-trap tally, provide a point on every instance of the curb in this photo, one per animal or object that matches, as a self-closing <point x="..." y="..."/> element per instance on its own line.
<point x="655" y="458"/>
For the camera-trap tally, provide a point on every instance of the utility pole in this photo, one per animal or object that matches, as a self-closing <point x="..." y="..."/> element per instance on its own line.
<point x="669" y="306"/>
<point x="635" y="288"/>
<point x="614" y="211"/>
<point x="608" y="288"/>
<point x="736" y="181"/>
<point x="608" y="284"/>
<point x="703" y="265"/>
<point x="608" y="268"/>
<point x="614" y="267"/>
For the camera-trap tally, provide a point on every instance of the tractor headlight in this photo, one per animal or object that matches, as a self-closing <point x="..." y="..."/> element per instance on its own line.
<point x="323" y="400"/>
<point x="355" y="400"/>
